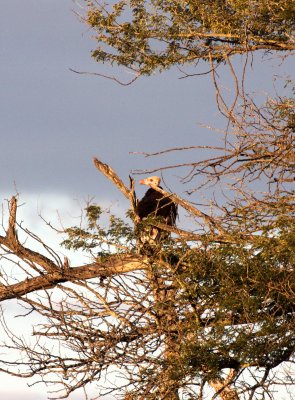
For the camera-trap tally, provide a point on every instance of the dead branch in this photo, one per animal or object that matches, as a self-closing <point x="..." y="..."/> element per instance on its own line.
<point x="56" y="272"/>
<point x="11" y="242"/>
<point x="109" y="173"/>
<point x="115" y="265"/>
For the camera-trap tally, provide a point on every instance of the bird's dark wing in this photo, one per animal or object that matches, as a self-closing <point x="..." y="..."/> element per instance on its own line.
<point x="171" y="214"/>
<point x="153" y="203"/>
<point x="148" y="204"/>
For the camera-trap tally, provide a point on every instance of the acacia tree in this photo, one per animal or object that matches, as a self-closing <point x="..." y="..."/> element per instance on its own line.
<point x="211" y="311"/>
<point x="146" y="36"/>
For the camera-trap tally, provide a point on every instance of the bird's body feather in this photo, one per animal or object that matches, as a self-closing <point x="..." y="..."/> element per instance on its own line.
<point x="154" y="205"/>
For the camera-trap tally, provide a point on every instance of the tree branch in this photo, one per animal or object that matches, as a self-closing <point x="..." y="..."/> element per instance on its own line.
<point x="109" y="173"/>
<point x="115" y="265"/>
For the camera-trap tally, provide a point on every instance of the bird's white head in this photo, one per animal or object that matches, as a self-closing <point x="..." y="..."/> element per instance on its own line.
<point x="151" y="181"/>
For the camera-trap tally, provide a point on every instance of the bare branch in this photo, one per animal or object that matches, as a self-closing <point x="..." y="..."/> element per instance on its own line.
<point x="112" y="78"/>
<point x="115" y="265"/>
<point x="109" y="173"/>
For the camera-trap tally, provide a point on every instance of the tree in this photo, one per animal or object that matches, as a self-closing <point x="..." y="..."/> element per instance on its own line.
<point x="170" y="322"/>
<point x="212" y="308"/>
<point x="154" y="35"/>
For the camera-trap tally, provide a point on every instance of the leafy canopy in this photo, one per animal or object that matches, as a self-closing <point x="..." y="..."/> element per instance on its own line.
<point x="154" y="35"/>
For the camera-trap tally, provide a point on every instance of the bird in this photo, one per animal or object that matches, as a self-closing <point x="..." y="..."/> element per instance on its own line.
<point x="155" y="205"/>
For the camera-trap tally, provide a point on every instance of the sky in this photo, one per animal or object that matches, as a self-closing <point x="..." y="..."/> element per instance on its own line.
<point x="53" y="121"/>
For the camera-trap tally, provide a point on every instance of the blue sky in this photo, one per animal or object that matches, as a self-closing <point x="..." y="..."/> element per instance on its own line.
<point x="54" y="121"/>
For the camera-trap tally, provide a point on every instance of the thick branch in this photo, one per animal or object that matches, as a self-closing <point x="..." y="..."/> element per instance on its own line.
<point x="11" y="231"/>
<point x="109" y="173"/>
<point x="115" y="265"/>
<point x="29" y="255"/>
<point x="12" y="243"/>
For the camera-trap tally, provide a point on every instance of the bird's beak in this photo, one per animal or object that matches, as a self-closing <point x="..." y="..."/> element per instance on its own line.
<point x="142" y="182"/>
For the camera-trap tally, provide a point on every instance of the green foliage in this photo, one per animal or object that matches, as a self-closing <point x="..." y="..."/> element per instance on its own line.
<point x="200" y="307"/>
<point x="93" y="213"/>
<point x="150" y="35"/>
<point x="116" y="236"/>
<point x="234" y="305"/>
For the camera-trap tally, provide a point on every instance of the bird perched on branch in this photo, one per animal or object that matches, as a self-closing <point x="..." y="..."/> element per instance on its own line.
<point x="155" y="205"/>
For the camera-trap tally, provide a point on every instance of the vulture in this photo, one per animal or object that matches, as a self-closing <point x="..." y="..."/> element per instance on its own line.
<point x="154" y="204"/>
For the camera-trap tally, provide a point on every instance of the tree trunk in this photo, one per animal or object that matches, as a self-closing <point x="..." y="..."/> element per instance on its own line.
<point x="223" y="388"/>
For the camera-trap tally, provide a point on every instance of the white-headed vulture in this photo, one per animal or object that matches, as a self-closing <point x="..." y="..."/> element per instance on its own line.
<point x="154" y="204"/>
